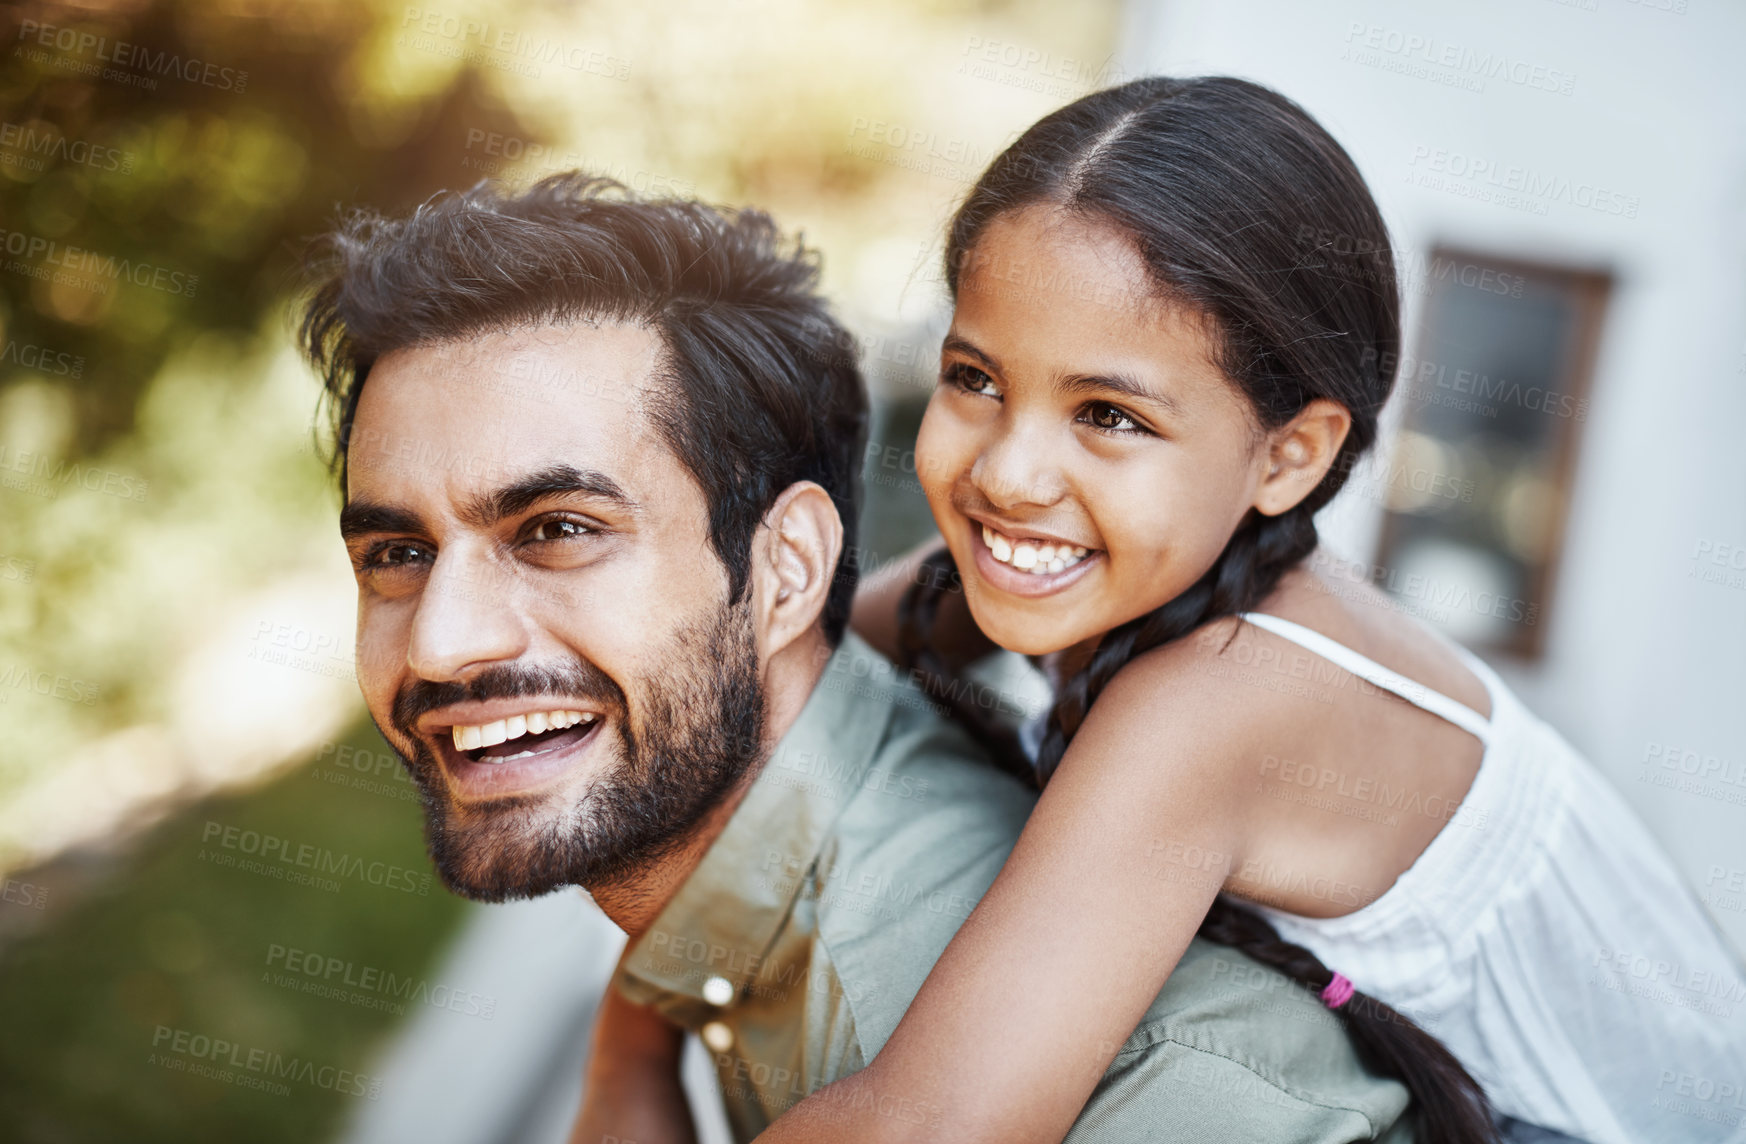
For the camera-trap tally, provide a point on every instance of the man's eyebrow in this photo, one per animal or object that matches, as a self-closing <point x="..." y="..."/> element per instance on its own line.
<point x="1117" y="383"/>
<point x="362" y="517"/>
<point x="513" y="499"/>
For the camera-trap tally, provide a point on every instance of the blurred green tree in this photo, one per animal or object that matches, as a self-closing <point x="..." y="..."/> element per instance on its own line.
<point x="160" y="164"/>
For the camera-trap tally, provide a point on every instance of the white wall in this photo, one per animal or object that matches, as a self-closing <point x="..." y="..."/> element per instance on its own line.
<point x="1640" y="653"/>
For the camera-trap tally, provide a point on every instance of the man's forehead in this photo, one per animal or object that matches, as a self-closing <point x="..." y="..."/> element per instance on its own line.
<point x="545" y="364"/>
<point x="475" y="412"/>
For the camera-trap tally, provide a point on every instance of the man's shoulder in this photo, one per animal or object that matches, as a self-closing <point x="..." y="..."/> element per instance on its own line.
<point x="925" y="827"/>
<point x="927" y="775"/>
<point x="929" y="805"/>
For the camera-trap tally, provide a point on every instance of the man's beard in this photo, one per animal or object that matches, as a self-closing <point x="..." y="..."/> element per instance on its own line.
<point x="699" y="725"/>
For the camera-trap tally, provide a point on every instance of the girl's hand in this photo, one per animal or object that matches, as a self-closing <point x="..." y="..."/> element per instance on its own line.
<point x="631" y="1090"/>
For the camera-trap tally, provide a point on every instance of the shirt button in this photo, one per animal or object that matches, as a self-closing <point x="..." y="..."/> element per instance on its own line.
<point x="718" y="991"/>
<point x="717" y="1037"/>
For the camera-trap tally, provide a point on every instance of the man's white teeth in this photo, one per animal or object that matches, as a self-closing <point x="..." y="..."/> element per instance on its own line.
<point x="514" y="727"/>
<point x="1031" y="556"/>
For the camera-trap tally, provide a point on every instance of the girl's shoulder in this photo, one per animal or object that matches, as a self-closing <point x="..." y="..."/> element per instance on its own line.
<point x="1361" y="618"/>
<point x="1219" y="670"/>
<point x="1166" y="738"/>
<point x="1251" y="684"/>
<point x="1207" y="697"/>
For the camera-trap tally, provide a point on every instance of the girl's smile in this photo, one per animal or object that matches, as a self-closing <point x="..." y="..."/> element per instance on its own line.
<point x="1023" y="562"/>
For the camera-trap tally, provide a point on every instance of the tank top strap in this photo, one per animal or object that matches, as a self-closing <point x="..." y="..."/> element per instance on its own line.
<point x="1374" y="673"/>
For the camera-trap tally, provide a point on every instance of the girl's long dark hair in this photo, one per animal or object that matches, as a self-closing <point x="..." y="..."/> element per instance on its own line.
<point x="1247" y="212"/>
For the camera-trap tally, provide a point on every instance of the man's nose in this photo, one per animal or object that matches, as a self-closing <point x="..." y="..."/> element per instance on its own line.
<point x="466" y="619"/>
<point x="1017" y="467"/>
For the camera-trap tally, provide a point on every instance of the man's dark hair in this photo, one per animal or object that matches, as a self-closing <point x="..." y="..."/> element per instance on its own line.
<point x="764" y="386"/>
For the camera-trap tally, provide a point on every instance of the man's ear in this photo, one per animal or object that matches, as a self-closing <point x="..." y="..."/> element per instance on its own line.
<point x="1299" y="453"/>
<point x="794" y="561"/>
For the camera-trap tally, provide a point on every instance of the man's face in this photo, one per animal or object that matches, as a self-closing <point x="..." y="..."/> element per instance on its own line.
<point x="544" y="633"/>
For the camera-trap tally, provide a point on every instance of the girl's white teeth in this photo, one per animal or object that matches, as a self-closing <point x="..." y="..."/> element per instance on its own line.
<point x="1031" y="556"/>
<point x="471" y="738"/>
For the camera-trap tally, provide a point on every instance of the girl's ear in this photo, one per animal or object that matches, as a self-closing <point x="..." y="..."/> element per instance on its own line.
<point x="1299" y="453"/>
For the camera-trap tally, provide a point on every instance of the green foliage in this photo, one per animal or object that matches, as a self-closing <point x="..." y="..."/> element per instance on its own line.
<point x="186" y="942"/>
<point x="212" y="183"/>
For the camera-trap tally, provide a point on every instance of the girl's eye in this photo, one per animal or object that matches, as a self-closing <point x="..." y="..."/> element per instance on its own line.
<point x="971" y="380"/>
<point x="1103" y="415"/>
<point x="559" y="529"/>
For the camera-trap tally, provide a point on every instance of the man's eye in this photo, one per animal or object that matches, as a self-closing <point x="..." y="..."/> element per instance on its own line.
<point x="971" y="380"/>
<point x="1103" y="415"/>
<point x="559" y="529"/>
<point x="397" y="554"/>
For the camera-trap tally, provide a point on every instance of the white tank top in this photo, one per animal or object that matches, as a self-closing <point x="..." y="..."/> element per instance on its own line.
<point x="1546" y="939"/>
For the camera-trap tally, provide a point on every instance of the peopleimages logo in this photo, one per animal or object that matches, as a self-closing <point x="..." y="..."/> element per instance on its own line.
<point x="1443" y="61"/>
<point x="300" y="862"/>
<point x="1516" y="179"/>
<point x="26" y="678"/>
<point x="52" y="362"/>
<point x="23" y="145"/>
<point x="367" y="986"/>
<point x="25" y="894"/>
<point x="1421" y="378"/>
<point x="87" y="269"/>
<point x="508" y="49"/>
<point x="102" y="50"/>
<point x="43" y="475"/>
<point x="264" y="1069"/>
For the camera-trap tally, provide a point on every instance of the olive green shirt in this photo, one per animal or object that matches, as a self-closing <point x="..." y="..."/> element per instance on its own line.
<point x="858" y="851"/>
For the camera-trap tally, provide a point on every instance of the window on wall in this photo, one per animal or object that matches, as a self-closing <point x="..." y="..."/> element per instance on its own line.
<point x="1495" y="399"/>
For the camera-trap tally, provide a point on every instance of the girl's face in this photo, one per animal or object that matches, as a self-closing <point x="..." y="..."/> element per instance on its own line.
<point x="1084" y="458"/>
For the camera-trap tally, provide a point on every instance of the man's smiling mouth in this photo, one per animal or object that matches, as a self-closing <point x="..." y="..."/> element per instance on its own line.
<point x="521" y="736"/>
<point x="498" y="765"/>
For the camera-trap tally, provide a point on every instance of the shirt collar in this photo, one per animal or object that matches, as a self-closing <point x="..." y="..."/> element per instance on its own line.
<point x="726" y="918"/>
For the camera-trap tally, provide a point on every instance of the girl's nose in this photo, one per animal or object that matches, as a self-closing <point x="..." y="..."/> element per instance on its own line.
<point x="1017" y="469"/>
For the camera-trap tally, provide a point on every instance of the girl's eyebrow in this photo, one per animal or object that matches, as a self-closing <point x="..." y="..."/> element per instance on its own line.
<point x="1069" y="385"/>
<point x="958" y="344"/>
<point x="1120" y="384"/>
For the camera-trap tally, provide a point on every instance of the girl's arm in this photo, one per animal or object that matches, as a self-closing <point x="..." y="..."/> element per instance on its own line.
<point x="631" y="1090"/>
<point x="874" y="617"/>
<point x="1020" y="1017"/>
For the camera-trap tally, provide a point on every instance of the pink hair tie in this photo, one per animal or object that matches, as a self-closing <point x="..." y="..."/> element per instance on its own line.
<point x="1338" y="991"/>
